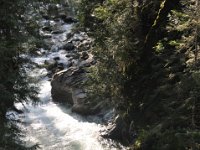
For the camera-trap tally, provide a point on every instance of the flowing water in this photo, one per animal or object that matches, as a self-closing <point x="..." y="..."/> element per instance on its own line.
<point x="51" y="125"/>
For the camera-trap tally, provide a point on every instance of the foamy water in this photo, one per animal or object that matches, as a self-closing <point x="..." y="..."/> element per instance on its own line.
<point x="55" y="127"/>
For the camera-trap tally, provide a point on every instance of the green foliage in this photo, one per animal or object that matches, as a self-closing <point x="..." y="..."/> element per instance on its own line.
<point x="112" y="38"/>
<point x="148" y="61"/>
<point x="101" y="12"/>
<point x="179" y="139"/>
<point x="10" y="137"/>
<point x="13" y="38"/>
<point x="159" y="47"/>
<point x="16" y="28"/>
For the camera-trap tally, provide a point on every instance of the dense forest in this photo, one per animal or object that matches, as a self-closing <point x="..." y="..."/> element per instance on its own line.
<point x="14" y="30"/>
<point x="147" y="68"/>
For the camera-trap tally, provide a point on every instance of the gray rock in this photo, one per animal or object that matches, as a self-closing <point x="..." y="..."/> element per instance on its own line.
<point x="65" y="82"/>
<point x="70" y="20"/>
<point x="118" y="130"/>
<point x="68" y="55"/>
<point x="56" y="19"/>
<point x="57" y="32"/>
<point x="70" y="64"/>
<point x="66" y="87"/>
<point x="93" y="62"/>
<point x="56" y="58"/>
<point x="80" y="106"/>
<point x="62" y="16"/>
<point x="47" y="36"/>
<point x="60" y="66"/>
<point x="68" y="47"/>
<point x="73" y="55"/>
<point x="45" y="17"/>
<point x="84" y="55"/>
<point x="88" y="62"/>
<point x="69" y="35"/>
<point x="46" y="28"/>
<point x="50" y="64"/>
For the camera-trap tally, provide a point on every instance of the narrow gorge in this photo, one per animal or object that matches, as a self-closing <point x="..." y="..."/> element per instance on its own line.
<point x="55" y="123"/>
<point x="99" y="75"/>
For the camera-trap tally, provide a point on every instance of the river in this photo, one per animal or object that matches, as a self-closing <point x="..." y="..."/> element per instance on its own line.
<point x="51" y="125"/>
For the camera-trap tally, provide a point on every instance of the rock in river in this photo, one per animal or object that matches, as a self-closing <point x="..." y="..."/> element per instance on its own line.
<point x="68" y="47"/>
<point x="66" y="88"/>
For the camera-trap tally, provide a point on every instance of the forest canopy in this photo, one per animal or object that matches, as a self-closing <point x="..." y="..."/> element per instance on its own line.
<point x="148" y="67"/>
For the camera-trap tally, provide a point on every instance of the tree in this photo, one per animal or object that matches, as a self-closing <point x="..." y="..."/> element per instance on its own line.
<point x="147" y="67"/>
<point x="14" y="83"/>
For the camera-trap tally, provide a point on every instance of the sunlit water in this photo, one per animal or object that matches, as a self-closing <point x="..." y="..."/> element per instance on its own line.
<point x="55" y="127"/>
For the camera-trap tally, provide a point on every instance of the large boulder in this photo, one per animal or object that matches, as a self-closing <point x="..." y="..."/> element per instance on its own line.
<point x="82" y="106"/>
<point x="65" y="81"/>
<point x="118" y="130"/>
<point x="66" y="88"/>
<point x="70" y="20"/>
<point x="50" y="64"/>
<point x="68" y="47"/>
<point x="68" y="84"/>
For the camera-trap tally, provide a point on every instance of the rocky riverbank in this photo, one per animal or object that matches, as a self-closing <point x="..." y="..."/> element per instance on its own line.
<point x="68" y="67"/>
<point x="69" y="58"/>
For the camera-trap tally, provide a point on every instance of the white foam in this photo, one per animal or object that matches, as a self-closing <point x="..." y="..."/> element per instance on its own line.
<point x="52" y="126"/>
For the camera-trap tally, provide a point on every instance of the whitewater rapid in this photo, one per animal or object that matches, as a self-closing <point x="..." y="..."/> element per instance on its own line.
<point x="51" y="125"/>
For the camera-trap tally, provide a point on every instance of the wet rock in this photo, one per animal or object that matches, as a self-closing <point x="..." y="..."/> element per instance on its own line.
<point x="68" y="47"/>
<point x="84" y="55"/>
<point x="93" y="62"/>
<point x="76" y="56"/>
<point x="54" y="48"/>
<point x="78" y="37"/>
<point x="47" y="36"/>
<point x="117" y="130"/>
<point x="57" y="32"/>
<point x="45" y="17"/>
<point x="66" y="87"/>
<point x="50" y="64"/>
<point x="88" y="62"/>
<point x="85" y="109"/>
<point x="81" y="109"/>
<point x="60" y="66"/>
<point x="62" y="16"/>
<point x="56" y="58"/>
<point x="84" y="46"/>
<point x="81" y="106"/>
<point x="70" y="20"/>
<point x="46" y="28"/>
<point x="68" y="55"/>
<point x="87" y="65"/>
<point x="69" y="35"/>
<point x="65" y="81"/>
<point x="70" y="64"/>
<point x="56" y="19"/>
